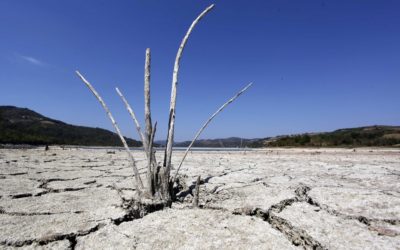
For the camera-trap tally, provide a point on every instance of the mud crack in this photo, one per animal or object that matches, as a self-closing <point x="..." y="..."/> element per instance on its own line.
<point x="71" y="237"/>
<point x="297" y="236"/>
<point x="362" y="219"/>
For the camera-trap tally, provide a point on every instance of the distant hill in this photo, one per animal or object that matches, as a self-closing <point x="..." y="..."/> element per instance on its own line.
<point x="231" y="142"/>
<point x="349" y="137"/>
<point x="24" y="126"/>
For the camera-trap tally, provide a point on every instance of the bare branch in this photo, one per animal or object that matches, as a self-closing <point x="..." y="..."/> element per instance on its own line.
<point x="171" y="123"/>
<point x="138" y="128"/>
<point x="139" y="182"/>
<point x="153" y="132"/>
<point x="150" y="162"/>
<point x="151" y="142"/>
<point x="208" y="122"/>
<point x="130" y="110"/>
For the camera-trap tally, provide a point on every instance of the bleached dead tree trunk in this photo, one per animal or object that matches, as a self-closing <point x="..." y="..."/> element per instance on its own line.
<point x="175" y="75"/>
<point x="159" y="183"/>
<point x="149" y="128"/>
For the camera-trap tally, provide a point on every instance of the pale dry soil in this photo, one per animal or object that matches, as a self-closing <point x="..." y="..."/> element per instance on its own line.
<point x="264" y="199"/>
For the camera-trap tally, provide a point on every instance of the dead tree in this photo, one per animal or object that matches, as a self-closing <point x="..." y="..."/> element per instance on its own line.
<point x="159" y="182"/>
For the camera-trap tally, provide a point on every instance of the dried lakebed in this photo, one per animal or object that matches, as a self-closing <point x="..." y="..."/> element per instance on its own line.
<point x="263" y="199"/>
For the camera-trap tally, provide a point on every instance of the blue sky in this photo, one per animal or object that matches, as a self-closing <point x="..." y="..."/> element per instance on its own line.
<point x="316" y="65"/>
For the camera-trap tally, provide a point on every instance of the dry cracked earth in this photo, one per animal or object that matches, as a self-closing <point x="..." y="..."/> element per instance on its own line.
<point x="264" y="199"/>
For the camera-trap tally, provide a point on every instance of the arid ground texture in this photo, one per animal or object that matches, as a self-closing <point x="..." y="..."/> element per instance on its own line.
<point x="77" y="198"/>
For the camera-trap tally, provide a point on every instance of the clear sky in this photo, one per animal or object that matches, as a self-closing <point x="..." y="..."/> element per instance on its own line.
<point x="316" y="65"/>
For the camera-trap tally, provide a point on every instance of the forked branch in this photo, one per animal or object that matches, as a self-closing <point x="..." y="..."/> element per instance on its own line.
<point x="171" y="123"/>
<point x="139" y="182"/>
<point x="206" y="124"/>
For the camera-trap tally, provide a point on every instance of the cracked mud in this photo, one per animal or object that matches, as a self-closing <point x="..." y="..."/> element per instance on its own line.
<point x="262" y="199"/>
